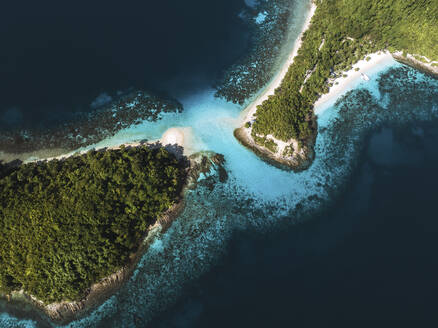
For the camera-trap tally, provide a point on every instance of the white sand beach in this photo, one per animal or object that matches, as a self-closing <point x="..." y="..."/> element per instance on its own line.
<point x="250" y="110"/>
<point x="181" y="136"/>
<point x="364" y="67"/>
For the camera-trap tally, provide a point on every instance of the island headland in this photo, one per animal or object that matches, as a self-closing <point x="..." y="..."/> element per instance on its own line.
<point x="340" y="41"/>
<point x="67" y="255"/>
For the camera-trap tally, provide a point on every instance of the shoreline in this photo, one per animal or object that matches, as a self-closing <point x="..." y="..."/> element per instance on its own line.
<point x="86" y="128"/>
<point x="296" y="164"/>
<point x="410" y="60"/>
<point x="65" y="312"/>
<point x="366" y="67"/>
<point x="271" y="24"/>
<point x="269" y="90"/>
<point x="341" y="84"/>
<point x="302" y="160"/>
<point x="178" y="140"/>
<point x="303" y="157"/>
<point x="298" y="155"/>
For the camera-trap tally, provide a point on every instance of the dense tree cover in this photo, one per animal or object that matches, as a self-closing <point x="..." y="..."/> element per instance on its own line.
<point x="3" y="169"/>
<point x="65" y="224"/>
<point x="343" y="32"/>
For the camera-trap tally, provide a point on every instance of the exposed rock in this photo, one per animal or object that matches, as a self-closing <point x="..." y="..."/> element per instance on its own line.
<point x="296" y="163"/>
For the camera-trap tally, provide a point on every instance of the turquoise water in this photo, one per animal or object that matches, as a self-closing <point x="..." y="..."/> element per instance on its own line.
<point x="257" y="197"/>
<point x="366" y="260"/>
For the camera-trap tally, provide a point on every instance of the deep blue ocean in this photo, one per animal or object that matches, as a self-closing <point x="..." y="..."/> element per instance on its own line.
<point x="349" y="243"/>
<point x="58" y="57"/>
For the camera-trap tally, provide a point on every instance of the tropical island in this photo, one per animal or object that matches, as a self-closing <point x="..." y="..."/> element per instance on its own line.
<point x="281" y="125"/>
<point x="72" y="224"/>
<point x="73" y="228"/>
<point x="66" y="224"/>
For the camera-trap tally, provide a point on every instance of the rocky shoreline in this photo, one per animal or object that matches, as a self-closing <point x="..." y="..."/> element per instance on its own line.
<point x="65" y="312"/>
<point x="296" y="155"/>
<point x="295" y="163"/>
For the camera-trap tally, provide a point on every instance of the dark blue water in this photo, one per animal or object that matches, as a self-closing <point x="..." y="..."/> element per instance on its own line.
<point x="369" y="261"/>
<point x="59" y="57"/>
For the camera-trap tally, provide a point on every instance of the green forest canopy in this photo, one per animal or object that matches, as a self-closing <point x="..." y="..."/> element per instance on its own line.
<point x="350" y="29"/>
<point x="65" y="224"/>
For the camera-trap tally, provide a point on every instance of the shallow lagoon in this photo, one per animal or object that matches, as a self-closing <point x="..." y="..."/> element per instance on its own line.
<point x="367" y="261"/>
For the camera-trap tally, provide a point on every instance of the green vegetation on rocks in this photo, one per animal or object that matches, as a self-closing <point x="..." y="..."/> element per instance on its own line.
<point x="88" y="128"/>
<point x="266" y="142"/>
<point x="65" y="224"/>
<point x="343" y="32"/>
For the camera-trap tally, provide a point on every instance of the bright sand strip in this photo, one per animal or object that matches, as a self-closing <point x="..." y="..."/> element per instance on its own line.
<point x="364" y="66"/>
<point x="335" y="91"/>
<point x="249" y="111"/>
<point x="181" y="136"/>
<point x="176" y="136"/>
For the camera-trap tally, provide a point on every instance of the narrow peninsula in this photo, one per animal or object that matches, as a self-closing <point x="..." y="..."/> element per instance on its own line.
<point x="280" y="126"/>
